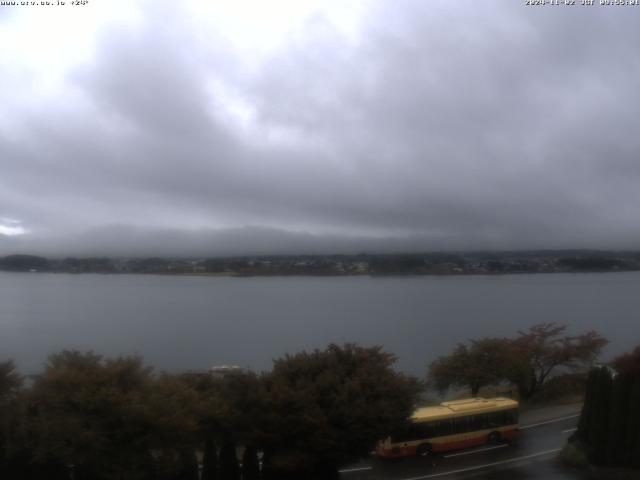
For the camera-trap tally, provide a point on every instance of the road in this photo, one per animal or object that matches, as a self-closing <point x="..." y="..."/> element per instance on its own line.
<point x="544" y="433"/>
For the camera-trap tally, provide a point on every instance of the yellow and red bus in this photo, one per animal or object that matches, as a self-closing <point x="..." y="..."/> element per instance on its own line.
<point x="453" y="425"/>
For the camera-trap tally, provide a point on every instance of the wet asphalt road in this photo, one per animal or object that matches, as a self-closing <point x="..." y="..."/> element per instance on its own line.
<point x="533" y="456"/>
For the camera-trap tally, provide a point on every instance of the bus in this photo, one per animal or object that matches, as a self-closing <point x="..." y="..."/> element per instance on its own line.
<point x="452" y="426"/>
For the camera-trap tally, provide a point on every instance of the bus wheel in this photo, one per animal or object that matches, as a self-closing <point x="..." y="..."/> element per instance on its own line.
<point x="423" y="450"/>
<point x="494" y="437"/>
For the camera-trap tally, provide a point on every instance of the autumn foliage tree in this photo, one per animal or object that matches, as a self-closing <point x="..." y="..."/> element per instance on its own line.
<point x="483" y="362"/>
<point x="628" y="363"/>
<point x="10" y="384"/>
<point x="527" y="361"/>
<point x="329" y="407"/>
<point x="110" y="418"/>
<point x="83" y="410"/>
<point x="544" y="349"/>
<point x="231" y="410"/>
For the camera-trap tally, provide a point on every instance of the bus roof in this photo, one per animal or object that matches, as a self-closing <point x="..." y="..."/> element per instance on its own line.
<point x="461" y="408"/>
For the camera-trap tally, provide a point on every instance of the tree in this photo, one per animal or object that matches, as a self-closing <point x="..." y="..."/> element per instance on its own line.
<point x="188" y="465"/>
<point x="527" y="361"/>
<point x="616" y="447"/>
<point x="229" y="467"/>
<point x="330" y="406"/>
<point x="542" y="350"/>
<point x="209" y="460"/>
<point x="169" y="414"/>
<point x="585" y="424"/>
<point x="609" y="427"/>
<point x="628" y="363"/>
<point x="110" y="417"/>
<point x="628" y="368"/>
<point x="632" y="441"/>
<point x="85" y="412"/>
<point x="602" y="403"/>
<point x="484" y="362"/>
<point x="595" y="420"/>
<point x="231" y="410"/>
<point x="250" y="464"/>
<point x="10" y="384"/>
<point x="10" y="381"/>
<point x="242" y="403"/>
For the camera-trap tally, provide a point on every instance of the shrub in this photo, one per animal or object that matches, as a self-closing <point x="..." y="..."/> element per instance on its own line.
<point x="573" y="455"/>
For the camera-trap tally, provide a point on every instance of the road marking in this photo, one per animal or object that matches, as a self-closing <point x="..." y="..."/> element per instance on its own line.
<point x="480" y="467"/>
<point x="349" y="470"/>
<point x="569" y="430"/>
<point x="550" y="421"/>
<point x="471" y="452"/>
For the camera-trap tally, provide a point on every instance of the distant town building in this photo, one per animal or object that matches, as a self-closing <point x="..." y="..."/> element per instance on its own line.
<point x="222" y="371"/>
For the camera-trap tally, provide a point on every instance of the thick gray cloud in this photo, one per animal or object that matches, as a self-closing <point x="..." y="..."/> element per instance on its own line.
<point x="439" y="125"/>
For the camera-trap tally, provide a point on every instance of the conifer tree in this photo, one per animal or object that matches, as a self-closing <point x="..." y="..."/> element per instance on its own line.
<point x="616" y="435"/>
<point x="267" y="470"/>
<point x="633" y="425"/>
<point x="209" y="460"/>
<point x="586" y="415"/>
<point x="602" y="405"/>
<point x="229" y="468"/>
<point x="188" y="465"/>
<point x="250" y="464"/>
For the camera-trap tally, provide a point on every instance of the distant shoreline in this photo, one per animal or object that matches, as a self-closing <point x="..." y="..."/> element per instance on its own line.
<point x="320" y="275"/>
<point x="375" y="265"/>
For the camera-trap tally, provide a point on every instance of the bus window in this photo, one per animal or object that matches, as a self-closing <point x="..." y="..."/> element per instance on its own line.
<point x="428" y="429"/>
<point x="413" y="431"/>
<point x="479" y="422"/>
<point x="496" y="419"/>
<point x="421" y="430"/>
<point x="444" y="427"/>
<point x="460" y="425"/>
<point x="510" y="417"/>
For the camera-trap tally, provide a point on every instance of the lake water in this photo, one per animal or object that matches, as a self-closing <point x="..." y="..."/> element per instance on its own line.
<point x="180" y="322"/>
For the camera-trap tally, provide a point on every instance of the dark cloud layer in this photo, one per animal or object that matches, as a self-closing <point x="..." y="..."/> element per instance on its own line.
<point x="441" y="125"/>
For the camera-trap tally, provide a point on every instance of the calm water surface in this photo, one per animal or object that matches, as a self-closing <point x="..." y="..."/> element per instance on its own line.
<point x="195" y="322"/>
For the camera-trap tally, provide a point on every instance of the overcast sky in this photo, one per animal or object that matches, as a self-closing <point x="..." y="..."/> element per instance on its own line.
<point x="258" y="126"/>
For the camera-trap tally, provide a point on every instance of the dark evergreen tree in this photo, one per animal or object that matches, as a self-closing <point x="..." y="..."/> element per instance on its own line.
<point x="250" y="464"/>
<point x="609" y="426"/>
<point x="209" y="460"/>
<point x="602" y="405"/>
<point x="618" y="420"/>
<point x="148" y="469"/>
<point x="188" y="465"/>
<point x="633" y="428"/>
<point x="586" y="415"/>
<point x="229" y="468"/>
<point x="49" y="469"/>
<point x="267" y="470"/>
